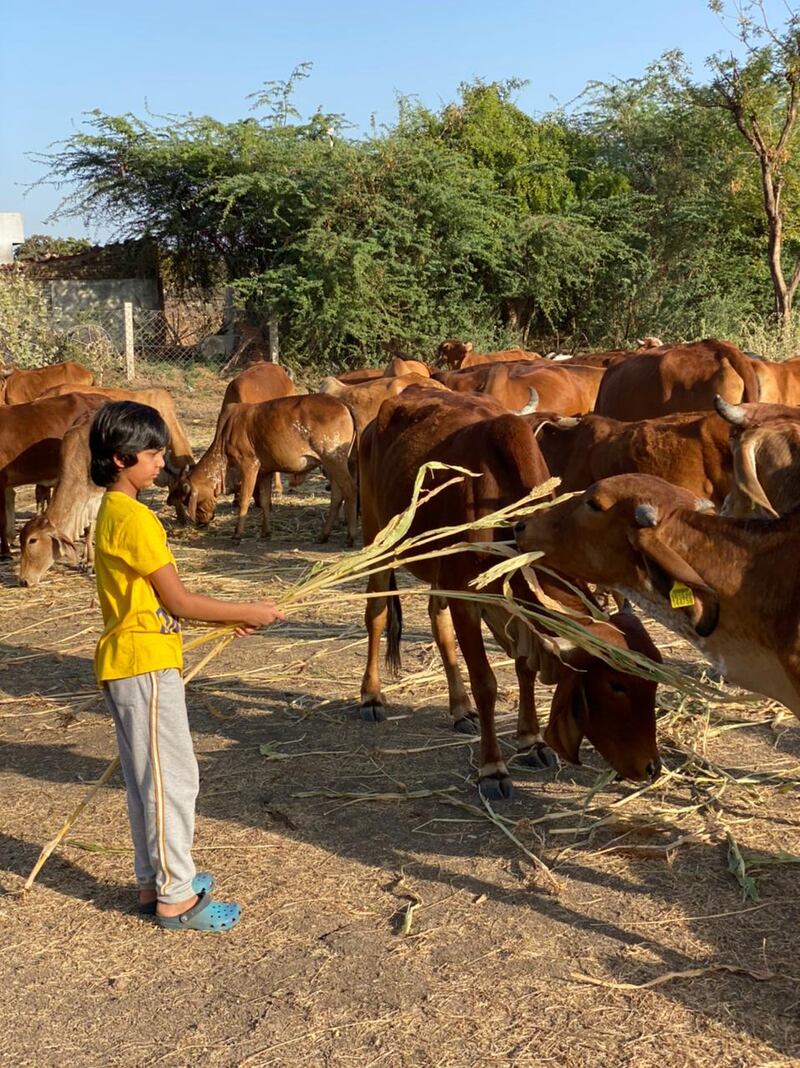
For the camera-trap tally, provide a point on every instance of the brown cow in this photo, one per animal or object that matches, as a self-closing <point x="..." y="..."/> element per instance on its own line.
<point x="565" y="391"/>
<point x="678" y="378"/>
<point x="421" y="426"/>
<point x="765" y="440"/>
<point x="401" y="365"/>
<point x="689" y="450"/>
<point x="22" y="387"/>
<point x="179" y="451"/>
<point x="356" y="378"/>
<point x="365" y="399"/>
<point x="70" y="515"/>
<point x="30" y="447"/>
<point x="779" y="383"/>
<point x="454" y="354"/>
<point x="261" y="381"/>
<point x="735" y="581"/>
<point x="289" y="434"/>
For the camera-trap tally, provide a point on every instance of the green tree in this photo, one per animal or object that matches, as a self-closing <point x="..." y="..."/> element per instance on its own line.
<point x="43" y="246"/>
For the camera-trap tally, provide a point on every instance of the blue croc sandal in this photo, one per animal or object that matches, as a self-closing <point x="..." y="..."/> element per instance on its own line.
<point x="206" y="915"/>
<point x="203" y="883"/>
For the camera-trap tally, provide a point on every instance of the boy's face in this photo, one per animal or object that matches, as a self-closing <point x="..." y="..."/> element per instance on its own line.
<point x="144" y="472"/>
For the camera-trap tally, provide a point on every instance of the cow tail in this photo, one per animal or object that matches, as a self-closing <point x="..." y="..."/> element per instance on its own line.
<point x="394" y="628"/>
<point x="744" y="368"/>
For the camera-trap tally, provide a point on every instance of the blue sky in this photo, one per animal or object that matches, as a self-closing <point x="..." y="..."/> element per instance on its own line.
<point x="61" y="58"/>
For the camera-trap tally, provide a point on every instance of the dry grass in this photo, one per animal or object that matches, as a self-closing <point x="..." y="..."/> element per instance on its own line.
<point x="390" y="918"/>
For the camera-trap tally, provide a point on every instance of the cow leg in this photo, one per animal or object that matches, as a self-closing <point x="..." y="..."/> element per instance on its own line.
<point x="89" y="547"/>
<point x="9" y="522"/>
<point x="277" y="486"/>
<point x="264" y="489"/>
<point x="442" y="628"/>
<point x="531" y="748"/>
<point x="494" y="781"/>
<point x="248" y="484"/>
<point x="375" y="616"/>
<point x="336" y="469"/>
<point x="43" y="494"/>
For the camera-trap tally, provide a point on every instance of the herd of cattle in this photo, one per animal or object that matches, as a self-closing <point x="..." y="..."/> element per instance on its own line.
<point x="681" y="459"/>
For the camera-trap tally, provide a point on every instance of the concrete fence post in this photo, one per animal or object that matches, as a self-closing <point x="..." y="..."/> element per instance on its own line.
<point x="274" y="347"/>
<point x="130" y="362"/>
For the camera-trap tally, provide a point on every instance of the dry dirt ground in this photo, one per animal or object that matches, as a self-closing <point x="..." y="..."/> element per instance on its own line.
<point x="385" y="924"/>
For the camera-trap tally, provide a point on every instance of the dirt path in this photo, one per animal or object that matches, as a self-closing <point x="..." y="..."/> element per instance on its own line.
<point x="334" y="833"/>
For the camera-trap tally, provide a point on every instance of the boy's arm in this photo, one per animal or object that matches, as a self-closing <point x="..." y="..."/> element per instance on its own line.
<point x="182" y="603"/>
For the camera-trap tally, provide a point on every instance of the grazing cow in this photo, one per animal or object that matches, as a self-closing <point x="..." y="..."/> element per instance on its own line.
<point x="179" y="452"/>
<point x="421" y="426"/>
<point x="735" y="583"/>
<point x="71" y="515"/>
<point x="565" y="391"/>
<point x="678" y="378"/>
<point x="765" y="440"/>
<point x="365" y="399"/>
<point x="289" y="434"/>
<point x="21" y="387"/>
<point x="261" y="381"/>
<point x="689" y="450"/>
<point x="454" y="354"/>
<point x="30" y="447"/>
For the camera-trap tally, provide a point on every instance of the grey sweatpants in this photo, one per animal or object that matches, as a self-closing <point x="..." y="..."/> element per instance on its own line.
<point x="161" y="777"/>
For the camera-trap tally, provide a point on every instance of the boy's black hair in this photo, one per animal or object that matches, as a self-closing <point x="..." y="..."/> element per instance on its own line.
<point x="123" y="429"/>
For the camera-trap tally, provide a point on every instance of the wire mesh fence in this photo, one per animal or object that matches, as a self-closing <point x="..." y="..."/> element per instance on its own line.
<point x="130" y="342"/>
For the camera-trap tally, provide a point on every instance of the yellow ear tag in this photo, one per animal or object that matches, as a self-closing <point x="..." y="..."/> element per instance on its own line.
<point x="680" y="596"/>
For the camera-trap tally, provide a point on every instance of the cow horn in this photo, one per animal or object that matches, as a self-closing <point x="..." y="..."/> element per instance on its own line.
<point x="566" y="422"/>
<point x="646" y="515"/>
<point x="170" y="467"/>
<point x="731" y="413"/>
<point x="532" y="404"/>
<point x="746" y="474"/>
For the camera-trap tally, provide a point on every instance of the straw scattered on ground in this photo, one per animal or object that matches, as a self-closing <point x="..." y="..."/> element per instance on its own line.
<point x="391" y="917"/>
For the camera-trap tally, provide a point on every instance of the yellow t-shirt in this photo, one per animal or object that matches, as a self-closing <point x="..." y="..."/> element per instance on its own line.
<point x="140" y="635"/>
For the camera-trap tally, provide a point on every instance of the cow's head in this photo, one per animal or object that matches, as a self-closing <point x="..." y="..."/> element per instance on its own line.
<point x="41" y="545"/>
<point x="196" y="492"/>
<point x="613" y="710"/>
<point x="452" y="351"/>
<point x="621" y="533"/>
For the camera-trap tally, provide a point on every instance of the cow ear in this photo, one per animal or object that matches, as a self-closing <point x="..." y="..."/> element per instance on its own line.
<point x="666" y="568"/>
<point x="567" y="725"/>
<point x="64" y="549"/>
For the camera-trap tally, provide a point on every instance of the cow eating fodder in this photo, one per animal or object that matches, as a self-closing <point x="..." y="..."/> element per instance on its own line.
<point x="292" y="435"/>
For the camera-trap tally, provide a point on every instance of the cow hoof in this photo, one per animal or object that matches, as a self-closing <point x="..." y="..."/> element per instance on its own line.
<point x="496" y="789"/>
<point x="540" y="757"/>
<point x="372" y="712"/>
<point x="467" y="724"/>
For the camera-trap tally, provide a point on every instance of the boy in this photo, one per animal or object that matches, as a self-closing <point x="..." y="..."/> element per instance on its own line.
<point x="138" y="662"/>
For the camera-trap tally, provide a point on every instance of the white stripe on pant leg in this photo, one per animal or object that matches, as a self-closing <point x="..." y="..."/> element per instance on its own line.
<point x="158" y="784"/>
